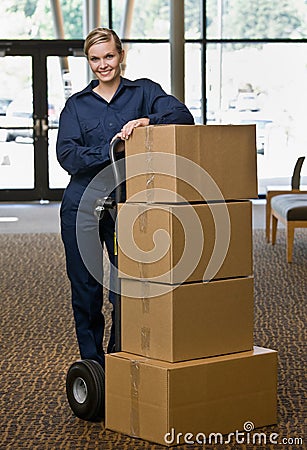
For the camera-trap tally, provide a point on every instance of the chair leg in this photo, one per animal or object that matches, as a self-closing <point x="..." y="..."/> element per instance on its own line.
<point x="268" y="220"/>
<point x="290" y="240"/>
<point x="274" y="228"/>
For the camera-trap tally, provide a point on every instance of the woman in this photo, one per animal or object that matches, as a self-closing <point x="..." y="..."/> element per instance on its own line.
<point x="108" y="107"/>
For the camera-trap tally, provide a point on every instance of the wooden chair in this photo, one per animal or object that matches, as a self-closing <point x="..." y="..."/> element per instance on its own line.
<point x="291" y="210"/>
<point x="272" y="191"/>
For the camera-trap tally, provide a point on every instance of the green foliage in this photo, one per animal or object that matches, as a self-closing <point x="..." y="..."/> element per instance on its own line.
<point x="73" y="18"/>
<point x="30" y="7"/>
<point x="192" y="18"/>
<point x="241" y="18"/>
<point x="12" y="6"/>
<point x="38" y="20"/>
<point x="150" y="18"/>
<point x="250" y="19"/>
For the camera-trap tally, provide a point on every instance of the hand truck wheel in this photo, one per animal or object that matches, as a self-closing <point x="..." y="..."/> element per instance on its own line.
<point x="85" y="389"/>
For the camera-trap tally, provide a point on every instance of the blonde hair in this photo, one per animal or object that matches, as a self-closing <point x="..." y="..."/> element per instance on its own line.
<point x="98" y="35"/>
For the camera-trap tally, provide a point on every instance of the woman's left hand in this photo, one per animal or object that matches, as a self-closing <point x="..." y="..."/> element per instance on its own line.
<point x="128" y="128"/>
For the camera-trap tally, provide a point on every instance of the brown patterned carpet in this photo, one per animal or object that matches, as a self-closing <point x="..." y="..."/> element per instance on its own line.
<point x="37" y="344"/>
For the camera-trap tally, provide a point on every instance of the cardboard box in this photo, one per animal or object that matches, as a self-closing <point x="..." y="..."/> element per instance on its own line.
<point x="183" y="243"/>
<point x="169" y="163"/>
<point x="189" y="321"/>
<point x="155" y="400"/>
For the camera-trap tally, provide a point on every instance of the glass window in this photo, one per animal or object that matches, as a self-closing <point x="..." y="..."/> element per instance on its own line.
<point x="243" y="86"/>
<point x="33" y="19"/>
<point x="61" y="84"/>
<point x="250" y="19"/>
<point x="16" y="123"/>
<point x="149" y="61"/>
<point x="193" y="81"/>
<point x="193" y="19"/>
<point x="148" y="19"/>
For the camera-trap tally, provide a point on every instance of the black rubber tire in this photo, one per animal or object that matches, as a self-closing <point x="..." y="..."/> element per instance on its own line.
<point x="85" y="389"/>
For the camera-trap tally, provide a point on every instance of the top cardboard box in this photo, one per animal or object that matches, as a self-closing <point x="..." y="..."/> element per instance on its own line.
<point x="176" y="163"/>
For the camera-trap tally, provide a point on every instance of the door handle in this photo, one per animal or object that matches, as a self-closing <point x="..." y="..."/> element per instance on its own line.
<point x="37" y="127"/>
<point x="44" y="127"/>
<point x="40" y="127"/>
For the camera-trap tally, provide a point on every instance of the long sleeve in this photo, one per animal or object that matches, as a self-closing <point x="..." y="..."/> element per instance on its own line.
<point x="73" y="153"/>
<point x="165" y="108"/>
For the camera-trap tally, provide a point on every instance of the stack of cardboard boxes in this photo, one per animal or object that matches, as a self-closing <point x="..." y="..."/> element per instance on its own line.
<point x="188" y="366"/>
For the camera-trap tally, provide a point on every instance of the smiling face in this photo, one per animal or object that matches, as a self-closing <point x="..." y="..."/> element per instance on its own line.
<point x="104" y="60"/>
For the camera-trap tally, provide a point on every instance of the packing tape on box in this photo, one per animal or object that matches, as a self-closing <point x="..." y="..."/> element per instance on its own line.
<point x="145" y="340"/>
<point x="145" y="305"/>
<point x="150" y="174"/>
<point x="145" y="331"/>
<point x="134" y="391"/>
<point x="145" y="292"/>
<point x="142" y="270"/>
<point x="142" y="218"/>
<point x="135" y="374"/>
<point x="135" y="367"/>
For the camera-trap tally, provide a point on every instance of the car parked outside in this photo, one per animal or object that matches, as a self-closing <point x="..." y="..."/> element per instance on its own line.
<point x="19" y="117"/>
<point x="4" y="103"/>
<point x="261" y="131"/>
<point x="247" y="101"/>
<point x="18" y="120"/>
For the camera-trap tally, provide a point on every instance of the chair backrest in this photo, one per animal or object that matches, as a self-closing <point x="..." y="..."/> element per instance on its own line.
<point x="296" y="177"/>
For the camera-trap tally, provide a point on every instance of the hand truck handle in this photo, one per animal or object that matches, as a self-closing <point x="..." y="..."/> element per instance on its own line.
<point x="112" y="153"/>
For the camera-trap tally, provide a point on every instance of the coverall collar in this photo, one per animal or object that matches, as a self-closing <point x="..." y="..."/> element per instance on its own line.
<point x="123" y="83"/>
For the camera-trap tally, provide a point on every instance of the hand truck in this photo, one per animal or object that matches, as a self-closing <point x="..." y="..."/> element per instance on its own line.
<point x="85" y="380"/>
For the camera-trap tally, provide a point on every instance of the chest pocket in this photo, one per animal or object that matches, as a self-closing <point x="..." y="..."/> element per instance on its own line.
<point x="92" y="131"/>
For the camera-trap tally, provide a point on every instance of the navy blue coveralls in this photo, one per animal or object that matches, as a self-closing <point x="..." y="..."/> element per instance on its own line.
<point x="87" y="125"/>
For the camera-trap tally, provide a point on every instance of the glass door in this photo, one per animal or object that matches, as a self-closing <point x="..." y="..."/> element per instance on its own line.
<point x="65" y="75"/>
<point x="16" y="124"/>
<point x="36" y="78"/>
